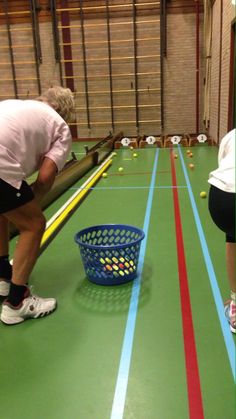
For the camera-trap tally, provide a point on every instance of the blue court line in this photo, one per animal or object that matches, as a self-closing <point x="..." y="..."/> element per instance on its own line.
<point x="228" y="338"/>
<point x="125" y="360"/>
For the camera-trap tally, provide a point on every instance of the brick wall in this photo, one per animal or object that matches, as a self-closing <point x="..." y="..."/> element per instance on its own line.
<point x="180" y="74"/>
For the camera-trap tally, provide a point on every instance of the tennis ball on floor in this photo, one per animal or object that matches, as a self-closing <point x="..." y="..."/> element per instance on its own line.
<point x="191" y="166"/>
<point x="188" y="151"/>
<point x="203" y="194"/>
<point x="114" y="154"/>
<point x="175" y="156"/>
<point x="104" y="174"/>
<point x="121" y="169"/>
<point x="190" y="154"/>
<point x="135" y="155"/>
<point x="131" y="147"/>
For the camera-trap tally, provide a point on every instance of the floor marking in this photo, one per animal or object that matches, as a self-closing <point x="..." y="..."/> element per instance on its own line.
<point x="191" y="361"/>
<point x="125" y="360"/>
<point x="228" y="338"/>
<point x="58" y="218"/>
<point x="131" y="187"/>
<point x="136" y="173"/>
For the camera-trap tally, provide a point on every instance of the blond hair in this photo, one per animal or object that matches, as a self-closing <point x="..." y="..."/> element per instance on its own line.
<point x="61" y="99"/>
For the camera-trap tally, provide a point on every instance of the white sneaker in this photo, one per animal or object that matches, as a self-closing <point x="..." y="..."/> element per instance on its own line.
<point x="31" y="307"/>
<point x="4" y="288"/>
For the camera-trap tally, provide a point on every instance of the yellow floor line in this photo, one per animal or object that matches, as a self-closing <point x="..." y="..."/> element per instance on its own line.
<point x="64" y="214"/>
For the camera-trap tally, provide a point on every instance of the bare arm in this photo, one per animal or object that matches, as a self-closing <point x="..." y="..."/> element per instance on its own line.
<point x="45" y="179"/>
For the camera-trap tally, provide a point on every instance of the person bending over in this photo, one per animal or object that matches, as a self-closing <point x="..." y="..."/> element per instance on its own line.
<point x="34" y="137"/>
<point x="222" y="209"/>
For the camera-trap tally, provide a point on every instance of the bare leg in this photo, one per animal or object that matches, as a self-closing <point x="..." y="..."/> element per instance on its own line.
<point x="30" y="222"/>
<point x="4" y="238"/>
<point x="231" y="264"/>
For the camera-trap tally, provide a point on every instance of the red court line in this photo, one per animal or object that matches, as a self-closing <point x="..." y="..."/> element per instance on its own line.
<point x="191" y="362"/>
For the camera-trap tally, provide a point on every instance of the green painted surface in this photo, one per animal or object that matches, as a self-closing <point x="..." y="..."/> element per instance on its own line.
<point x="65" y="366"/>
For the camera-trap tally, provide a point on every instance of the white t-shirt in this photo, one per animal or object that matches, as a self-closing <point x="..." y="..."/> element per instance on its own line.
<point x="30" y="130"/>
<point x="224" y="177"/>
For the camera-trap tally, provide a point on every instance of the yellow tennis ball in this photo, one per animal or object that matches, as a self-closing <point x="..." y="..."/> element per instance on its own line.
<point x="120" y="169"/>
<point x="104" y="174"/>
<point x="135" y="155"/>
<point x="121" y="273"/>
<point x="203" y="194"/>
<point x="191" y="166"/>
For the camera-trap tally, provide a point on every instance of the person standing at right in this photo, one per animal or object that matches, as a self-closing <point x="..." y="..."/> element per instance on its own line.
<point x="222" y="209"/>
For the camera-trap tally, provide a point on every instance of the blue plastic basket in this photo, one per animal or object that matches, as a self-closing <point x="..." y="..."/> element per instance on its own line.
<point x="110" y="252"/>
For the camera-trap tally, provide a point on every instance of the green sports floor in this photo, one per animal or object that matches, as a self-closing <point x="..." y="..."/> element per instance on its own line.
<point x="155" y="348"/>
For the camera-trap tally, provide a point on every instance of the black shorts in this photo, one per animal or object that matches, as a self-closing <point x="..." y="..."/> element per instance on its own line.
<point x="222" y="209"/>
<point x="12" y="198"/>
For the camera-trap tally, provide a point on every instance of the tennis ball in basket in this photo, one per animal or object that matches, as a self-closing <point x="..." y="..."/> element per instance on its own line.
<point x="203" y="194"/>
<point x="104" y="174"/>
<point x="120" y="169"/>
